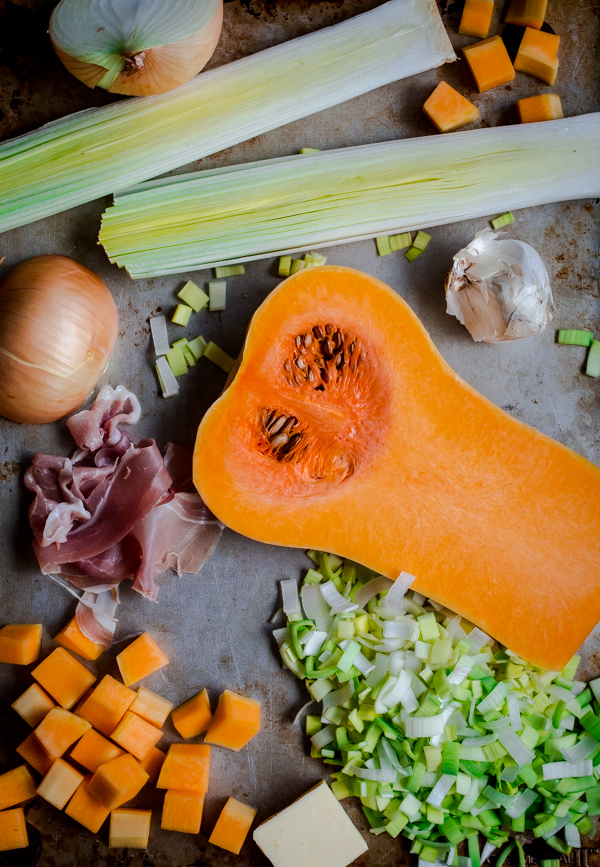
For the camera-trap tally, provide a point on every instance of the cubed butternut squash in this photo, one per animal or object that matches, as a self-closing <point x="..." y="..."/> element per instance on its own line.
<point x="544" y="106"/>
<point x="117" y="781"/>
<point x="193" y="717"/>
<point x="129" y="829"/>
<point x="20" y="643"/>
<point x="537" y="54"/>
<point x="186" y="768"/>
<point x="107" y="704"/>
<point x="151" y="707"/>
<point x="136" y="735"/>
<point x="527" y="13"/>
<point x="236" y="721"/>
<point x="182" y="811"/>
<point x="13" y="830"/>
<point x="476" y="18"/>
<point x="59" y="730"/>
<point x="153" y="763"/>
<point x="140" y="658"/>
<point x="93" y="750"/>
<point x="60" y="784"/>
<point x="85" y="809"/>
<point x="61" y="675"/>
<point x="489" y="63"/>
<point x="232" y="826"/>
<point x="16" y="786"/>
<point x="72" y="638"/>
<point x="33" y="705"/>
<point x="448" y="110"/>
<point x="35" y="755"/>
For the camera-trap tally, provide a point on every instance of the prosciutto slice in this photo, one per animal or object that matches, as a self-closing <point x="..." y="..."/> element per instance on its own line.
<point x="116" y="510"/>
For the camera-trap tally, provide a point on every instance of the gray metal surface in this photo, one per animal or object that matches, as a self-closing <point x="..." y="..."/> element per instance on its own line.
<point x="214" y="625"/>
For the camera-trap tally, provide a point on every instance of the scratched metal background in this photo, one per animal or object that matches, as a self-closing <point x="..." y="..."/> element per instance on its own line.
<point x="214" y="625"/>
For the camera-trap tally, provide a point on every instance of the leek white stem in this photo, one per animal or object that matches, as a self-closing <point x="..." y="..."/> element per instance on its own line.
<point x="98" y="151"/>
<point x="281" y="206"/>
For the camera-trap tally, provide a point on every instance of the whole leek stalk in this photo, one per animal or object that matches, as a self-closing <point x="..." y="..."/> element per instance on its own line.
<point x="102" y="150"/>
<point x="284" y="205"/>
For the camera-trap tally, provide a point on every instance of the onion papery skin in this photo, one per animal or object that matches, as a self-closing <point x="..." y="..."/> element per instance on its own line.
<point x="58" y="326"/>
<point x="155" y="69"/>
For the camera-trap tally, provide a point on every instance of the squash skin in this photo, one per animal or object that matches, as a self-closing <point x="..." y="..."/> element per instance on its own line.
<point x="496" y="520"/>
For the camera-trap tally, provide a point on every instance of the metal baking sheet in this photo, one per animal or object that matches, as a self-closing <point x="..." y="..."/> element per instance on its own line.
<point x="214" y="626"/>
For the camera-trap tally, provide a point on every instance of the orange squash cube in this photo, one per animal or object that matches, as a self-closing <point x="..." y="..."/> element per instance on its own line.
<point x="544" y="106"/>
<point x="72" y="638"/>
<point x="85" y="809"/>
<point x="476" y="18"/>
<point x="136" y="735"/>
<point x="61" y="675"/>
<point x="33" y="705"/>
<point x="182" y="811"/>
<point x="232" y="826"/>
<point x="236" y="721"/>
<point x="107" y="704"/>
<point x="186" y="768"/>
<point x="537" y="54"/>
<point x="193" y="717"/>
<point x="140" y="658"/>
<point x="153" y="763"/>
<point x="13" y="830"/>
<point x="35" y="755"/>
<point x="60" y="784"/>
<point x="59" y="730"/>
<point x="129" y="829"/>
<point x="20" y="643"/>
<point x="151" y="707"/>
<point x="16" y="786"/>
<point x="117" y="781"/>
<point x="527" y="13"/>
<point x="93" y="750"/>
<point x="489" y="63"/>
<point x="448" y="110"/>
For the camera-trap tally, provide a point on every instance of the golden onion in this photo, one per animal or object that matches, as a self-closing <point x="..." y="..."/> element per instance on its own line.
<point x="135" y="47"/>
<point x="58" y="326"/>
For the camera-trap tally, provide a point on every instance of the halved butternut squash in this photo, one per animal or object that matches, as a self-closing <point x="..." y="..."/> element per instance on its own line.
<point x="344" y="430"/>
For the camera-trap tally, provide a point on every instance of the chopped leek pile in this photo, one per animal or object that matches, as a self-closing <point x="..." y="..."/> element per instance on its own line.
<point x="576" y="337"/>
<point x="441" y="733"/>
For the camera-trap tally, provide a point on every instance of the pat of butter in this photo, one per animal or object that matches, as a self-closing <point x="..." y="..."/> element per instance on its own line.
<point x="314" y="831"/>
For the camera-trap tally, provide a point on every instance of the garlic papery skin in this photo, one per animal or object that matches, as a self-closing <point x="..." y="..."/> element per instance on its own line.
<point x="499" y="288"/>
<point x="135" y="47"/>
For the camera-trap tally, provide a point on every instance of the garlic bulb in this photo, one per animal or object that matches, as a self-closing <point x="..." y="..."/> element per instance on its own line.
<point x="135" y="47"/>
<point x="499" y="288"/>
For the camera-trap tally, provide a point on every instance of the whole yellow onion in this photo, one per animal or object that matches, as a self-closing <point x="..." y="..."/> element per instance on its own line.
<point x="135" y="47"/>
<point x="58" y="326"/>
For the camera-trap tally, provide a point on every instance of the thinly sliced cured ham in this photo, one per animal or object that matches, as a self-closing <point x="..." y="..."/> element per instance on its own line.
<point x="116" y="510"/>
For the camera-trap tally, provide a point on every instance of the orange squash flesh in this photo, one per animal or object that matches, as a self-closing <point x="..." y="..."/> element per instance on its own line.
<point x="448" y="110"/>
<point x="526" y="13"/>
<point x="537" y="54"/>
<point x="236" y="721"/>
<point x="117" y="781"/>
<point x="35" y="755"/>
<point x="136" y="735"/>
<point x="106" y="705"/>
<point x="93" y="750"/>
<point x="16" y="786"/>
<point x="232" y="826"/>
<point x="60" y="784"/>
<point x="72" y="638"/>
<point x="85" y="809"/>
<point x="476" y="18"/>
<point x="63" y="677"/>
<point x="535" y="109"/>
<point x="33" y="705"/>
<point x="405" y="467"/>
<point x="13" y="830"/>
<point x="186" y="768"/>
<point x="59" y="730"/>
<point x="20" y="643"/>
<point x="489" y="63"/>
<point x="153" y="763"/>
<point x="194" y="716"/>
<point x="140" y="658"/>
<point x="182" y="811"/>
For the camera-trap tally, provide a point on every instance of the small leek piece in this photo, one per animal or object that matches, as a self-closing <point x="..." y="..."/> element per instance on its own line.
<point x="384" y="247"/>
<point x="421" y="240"/>
<point x="593" y="360"/>
<point x="302" y="202"/>
<point x="297" y="265"/>
<point x="101" y="150"/>
<point x="176" y="361"/>
<point x="182" y="314"/>
<point x="229" y="271"/>
<point x="160" y="338"/>
<point x="575" y="337"/>
<point x="401" y="241"/>
<point x="503" y="220"/>
<point x="310" y="150"/>
<point x="217" y="293"/>
<point x="197" y="346"/>
<point x="193" y="296"/>
<point x="285" y="266"/>
<point x="215" y="354"/>
<point x="412" y="253"/>
<point x="166" y="378"/>
<point x="314" y="259"/>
